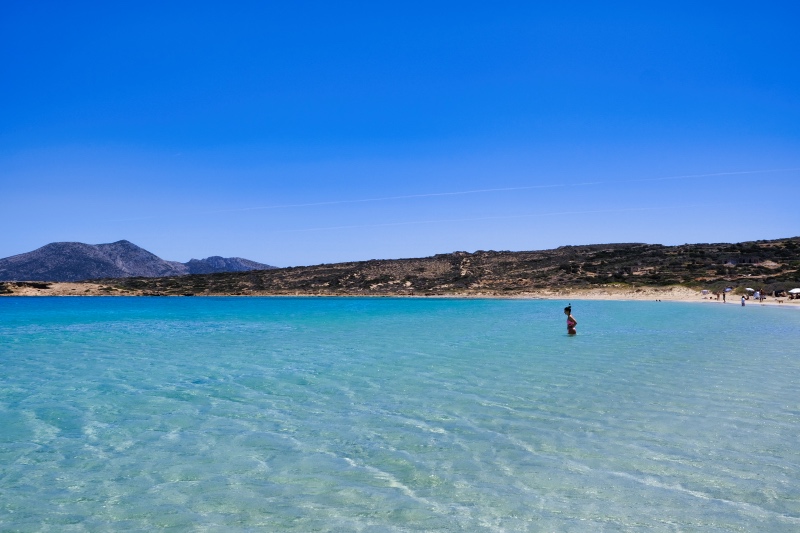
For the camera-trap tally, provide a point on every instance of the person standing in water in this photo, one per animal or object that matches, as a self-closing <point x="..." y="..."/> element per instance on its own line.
<point x="571" y="322"/>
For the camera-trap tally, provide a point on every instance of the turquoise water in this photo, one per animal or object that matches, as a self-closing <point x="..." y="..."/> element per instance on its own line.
<point x="281" y="414"/>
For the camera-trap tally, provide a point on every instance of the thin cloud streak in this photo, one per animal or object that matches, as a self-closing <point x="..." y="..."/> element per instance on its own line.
<point x="498" y="217"/>
<point x="500" y="189"/>
<point x="467" y="192"/>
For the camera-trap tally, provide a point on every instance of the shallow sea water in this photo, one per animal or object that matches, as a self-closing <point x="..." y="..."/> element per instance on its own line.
<point x="313" y="414"/>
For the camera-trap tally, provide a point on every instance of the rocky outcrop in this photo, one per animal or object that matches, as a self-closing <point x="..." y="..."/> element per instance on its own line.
<point x="76" y="261"/>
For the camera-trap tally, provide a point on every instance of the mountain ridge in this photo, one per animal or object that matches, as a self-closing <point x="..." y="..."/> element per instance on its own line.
<point x="77" y="261"/>
<point x="767" y="264"/>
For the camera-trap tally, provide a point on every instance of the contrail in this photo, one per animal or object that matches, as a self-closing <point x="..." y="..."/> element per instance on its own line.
<point x="471" y="191"/>
<point x="497" y="217"/>
<point x="499" y="189"/>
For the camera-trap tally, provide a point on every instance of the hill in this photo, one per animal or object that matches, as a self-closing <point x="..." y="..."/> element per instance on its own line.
<point x="769" y="264"/>
<point x="75" y="261"/>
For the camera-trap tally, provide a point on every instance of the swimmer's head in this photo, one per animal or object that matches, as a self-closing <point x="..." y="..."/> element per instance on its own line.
<point x="568" y="310"/>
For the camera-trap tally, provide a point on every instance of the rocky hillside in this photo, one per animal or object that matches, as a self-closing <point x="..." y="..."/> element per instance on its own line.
<point x="75" y="261"/>
<point x="768" y="264"/>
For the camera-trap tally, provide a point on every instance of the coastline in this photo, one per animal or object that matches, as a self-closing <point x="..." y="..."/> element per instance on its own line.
<point x="672" y="293"/>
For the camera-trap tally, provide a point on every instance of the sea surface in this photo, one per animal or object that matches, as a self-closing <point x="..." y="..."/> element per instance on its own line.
<point x="345" y="414"/>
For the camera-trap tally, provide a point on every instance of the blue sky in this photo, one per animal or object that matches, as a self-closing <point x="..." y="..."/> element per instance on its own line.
<point x="298" y="133"/>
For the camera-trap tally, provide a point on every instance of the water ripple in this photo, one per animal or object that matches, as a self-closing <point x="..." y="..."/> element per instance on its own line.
<point x="395" y="415"/>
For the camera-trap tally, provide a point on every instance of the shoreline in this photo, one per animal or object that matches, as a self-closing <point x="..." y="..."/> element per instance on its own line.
<point x="673" y="293"/>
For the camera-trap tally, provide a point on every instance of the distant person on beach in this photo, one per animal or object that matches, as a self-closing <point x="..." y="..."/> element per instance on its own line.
<point x="571" y="322"/>
<point x="742" y="301"/>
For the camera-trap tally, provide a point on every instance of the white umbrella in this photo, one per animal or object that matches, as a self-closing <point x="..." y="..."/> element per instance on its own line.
<point x="749" y="289"/>
<point x="728" y="289"/>
<point x="794" y="291"/>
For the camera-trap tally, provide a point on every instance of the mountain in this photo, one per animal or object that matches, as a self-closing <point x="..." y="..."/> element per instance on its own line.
<point x="76" y="261"/>
<point x="215" y="263"/>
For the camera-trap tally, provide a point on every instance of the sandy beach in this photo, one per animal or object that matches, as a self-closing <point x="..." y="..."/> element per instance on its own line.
<point x="674" y="293"/>
<point x="56" y="289"/>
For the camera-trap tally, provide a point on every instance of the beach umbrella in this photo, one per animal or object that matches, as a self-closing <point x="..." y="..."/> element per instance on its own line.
<point x="749" y="289"/>
<point x="794" y="291"/>
<point x="728" y="289"/>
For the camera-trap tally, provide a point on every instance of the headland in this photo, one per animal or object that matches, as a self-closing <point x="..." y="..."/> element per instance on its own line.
<point x="632" y="271"/>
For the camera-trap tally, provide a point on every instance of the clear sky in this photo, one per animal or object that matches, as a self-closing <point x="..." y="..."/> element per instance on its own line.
<point x="297" y="133"/>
